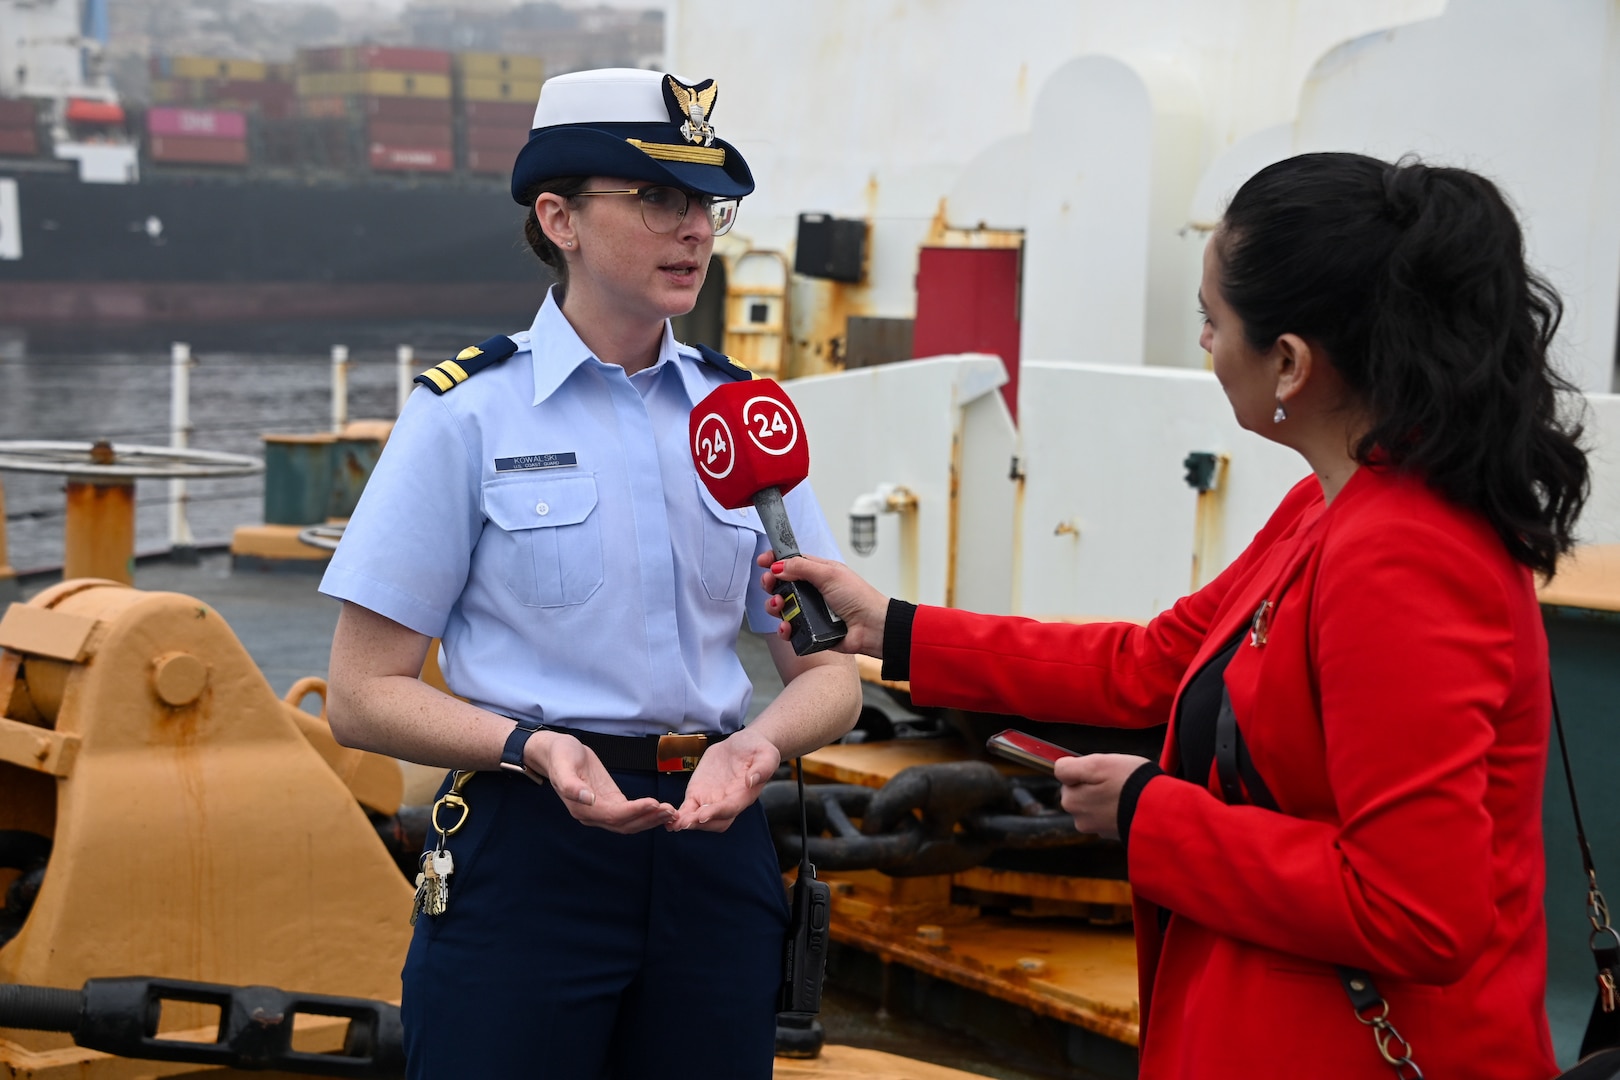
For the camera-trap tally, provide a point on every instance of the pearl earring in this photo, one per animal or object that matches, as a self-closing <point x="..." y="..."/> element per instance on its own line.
<point x="1280" y="415"/>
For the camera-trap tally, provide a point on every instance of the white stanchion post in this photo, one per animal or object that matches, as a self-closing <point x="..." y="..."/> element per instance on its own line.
<point x="340" y="388"/>
<point x="406" y="357"/>
<point x="182" y="545"/>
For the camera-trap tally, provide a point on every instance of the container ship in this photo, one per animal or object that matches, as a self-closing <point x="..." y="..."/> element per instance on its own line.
<point x="361" y="182"/>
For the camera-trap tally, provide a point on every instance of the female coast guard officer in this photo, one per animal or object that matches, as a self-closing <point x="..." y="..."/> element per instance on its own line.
<point x="538" y="509"/>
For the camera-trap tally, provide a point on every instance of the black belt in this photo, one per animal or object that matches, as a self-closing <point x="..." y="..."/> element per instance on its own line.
<point x="669" y="753"/>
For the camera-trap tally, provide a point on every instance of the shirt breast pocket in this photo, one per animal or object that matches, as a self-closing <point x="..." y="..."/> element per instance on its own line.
<point x="551" y="539"/>
<point x="729" y="539"/>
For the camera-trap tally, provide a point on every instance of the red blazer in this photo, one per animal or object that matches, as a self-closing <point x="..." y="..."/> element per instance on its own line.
<point x="1397" y="710"/>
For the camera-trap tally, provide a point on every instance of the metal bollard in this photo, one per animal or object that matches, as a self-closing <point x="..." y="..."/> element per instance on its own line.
<point x="405" y="357"/>
<point x="182" y="545"/>
<point x="340" y="388"/>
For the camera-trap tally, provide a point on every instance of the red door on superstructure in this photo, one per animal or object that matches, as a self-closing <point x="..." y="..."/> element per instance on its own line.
<point x="967" y="301"/>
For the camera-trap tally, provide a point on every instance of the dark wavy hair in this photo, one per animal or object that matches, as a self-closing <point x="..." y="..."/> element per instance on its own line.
<point x="1412" y="279"/>
<point x="567" y="187"/>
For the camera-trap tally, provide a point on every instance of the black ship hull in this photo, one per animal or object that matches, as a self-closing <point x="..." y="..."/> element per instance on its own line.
<point x="181" y="249"/>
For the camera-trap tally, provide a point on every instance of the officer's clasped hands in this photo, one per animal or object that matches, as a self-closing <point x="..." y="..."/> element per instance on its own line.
<point x="587" y="789"/>
<point x="726" y="782"/>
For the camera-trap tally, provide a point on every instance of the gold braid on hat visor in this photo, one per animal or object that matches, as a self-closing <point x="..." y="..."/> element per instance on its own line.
<point x="699" y="155"/>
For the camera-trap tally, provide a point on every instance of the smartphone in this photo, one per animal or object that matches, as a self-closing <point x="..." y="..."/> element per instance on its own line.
<point x="1025" y="749"/>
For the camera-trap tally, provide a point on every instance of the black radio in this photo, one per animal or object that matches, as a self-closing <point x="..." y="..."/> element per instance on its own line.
<point x="804" y="960"/>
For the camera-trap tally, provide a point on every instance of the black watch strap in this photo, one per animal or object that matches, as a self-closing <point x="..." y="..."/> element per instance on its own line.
<point x="512" y="752"/>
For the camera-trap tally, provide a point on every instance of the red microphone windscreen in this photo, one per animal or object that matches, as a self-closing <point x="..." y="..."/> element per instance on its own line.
<point x="745" y="437"/>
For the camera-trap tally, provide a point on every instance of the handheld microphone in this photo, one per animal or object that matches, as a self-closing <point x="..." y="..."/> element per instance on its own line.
<point x="749" y="448"/>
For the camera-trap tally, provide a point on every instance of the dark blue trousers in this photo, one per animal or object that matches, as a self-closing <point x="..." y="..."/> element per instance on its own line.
<point x="574" y="953"/>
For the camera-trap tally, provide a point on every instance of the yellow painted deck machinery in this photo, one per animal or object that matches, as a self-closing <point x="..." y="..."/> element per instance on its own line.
<point x="198" y="826"/>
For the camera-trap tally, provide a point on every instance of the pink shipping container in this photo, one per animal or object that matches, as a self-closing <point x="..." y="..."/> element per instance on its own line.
<point x="18" y="142"/>
<point x="190" y="150"/>
<point x="408" y="134"/>
<point x="197" y="123"/>
<point x="500" y="113"/>
<point x="405" y="110"/>
<point x="497" y="138"/>
<point x="411" y="158"/>
<point x="15" y="113"/>
<point x="396" y="58"/>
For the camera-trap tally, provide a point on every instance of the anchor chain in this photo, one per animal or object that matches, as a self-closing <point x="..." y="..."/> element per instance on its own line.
<point x="928" y="819"/>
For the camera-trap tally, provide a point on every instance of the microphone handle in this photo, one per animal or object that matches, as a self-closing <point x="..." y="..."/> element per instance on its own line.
<point x="814" y="626"/>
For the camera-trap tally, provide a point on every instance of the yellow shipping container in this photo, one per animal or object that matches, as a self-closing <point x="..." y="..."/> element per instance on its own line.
<point x="209" y="67"/>
<point x="325" y="84"/>
<point x="507" y="66"/>
<point x="499" y="90"/>
<point x="377" y="84"/>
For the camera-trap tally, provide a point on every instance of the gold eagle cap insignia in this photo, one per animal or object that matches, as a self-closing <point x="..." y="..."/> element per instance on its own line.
<point x="692" y="106"/>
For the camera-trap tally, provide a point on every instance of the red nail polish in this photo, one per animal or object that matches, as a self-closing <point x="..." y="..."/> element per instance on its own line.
<point x="776" y="567"/>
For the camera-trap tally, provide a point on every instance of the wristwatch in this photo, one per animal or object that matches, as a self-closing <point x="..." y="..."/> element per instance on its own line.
<point x="512" y="752"/>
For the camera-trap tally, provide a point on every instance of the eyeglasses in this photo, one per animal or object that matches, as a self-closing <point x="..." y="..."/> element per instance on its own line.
<point x="663" y="208"/>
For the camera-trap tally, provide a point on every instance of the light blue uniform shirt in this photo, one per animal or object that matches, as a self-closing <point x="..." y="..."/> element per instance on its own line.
<point x="605" y="593"/>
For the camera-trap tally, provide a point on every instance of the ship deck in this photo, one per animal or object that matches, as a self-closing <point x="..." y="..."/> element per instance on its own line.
<point x="286" y="626"/>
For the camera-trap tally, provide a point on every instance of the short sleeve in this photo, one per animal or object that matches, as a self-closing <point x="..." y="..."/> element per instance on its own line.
<point x="810" y="529"/>
<point x="406" y="550"/>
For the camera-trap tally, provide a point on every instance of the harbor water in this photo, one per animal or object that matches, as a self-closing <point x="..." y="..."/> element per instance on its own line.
<point x="247" y="381"/>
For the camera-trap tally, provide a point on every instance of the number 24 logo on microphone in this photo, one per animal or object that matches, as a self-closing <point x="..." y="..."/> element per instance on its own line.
<point x="769" y="426"/>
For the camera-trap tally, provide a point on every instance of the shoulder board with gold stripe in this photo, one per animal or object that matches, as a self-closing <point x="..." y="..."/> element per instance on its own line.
<point x="724" y="364"/>
<point x="468" y="362"/>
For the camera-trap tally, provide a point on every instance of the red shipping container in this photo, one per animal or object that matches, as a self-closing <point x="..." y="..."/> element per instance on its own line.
<point x="437" y="135"/>
<point x="219" y="91"/>
<point x="199" y="123"/>
<point x="499" y="113"/>
<point x="496" y="138"/>
<point x="279" y="110"/>
<point x="405" y="110"/>
<point x="18" y="142"/>
<point x="325" y="59"/>
<point x="411" y="158"/>
<point x="495" y="162"/>
<point x="324" y="108"/>
<point x="15" y="113"/>
<point x="190" y="150"/>
<point x="397" y="58"/>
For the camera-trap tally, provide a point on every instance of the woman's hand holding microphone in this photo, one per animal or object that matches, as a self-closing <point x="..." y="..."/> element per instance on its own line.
<point x="1091" y="783"/>
<point x="863" y="609"/>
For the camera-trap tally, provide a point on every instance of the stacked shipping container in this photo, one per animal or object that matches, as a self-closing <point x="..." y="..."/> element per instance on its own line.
<point x="19" y="135"/>
<point x="266" y="90"/>
<point x="176" y="136"/>
<point x="346" y="109"/>
<point x="498" y="93"/>
<point x="400" y="98"/>
<point x="496" y="130"/>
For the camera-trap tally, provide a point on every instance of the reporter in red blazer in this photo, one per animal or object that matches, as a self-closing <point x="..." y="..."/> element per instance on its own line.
<point x="1379" y="641"/>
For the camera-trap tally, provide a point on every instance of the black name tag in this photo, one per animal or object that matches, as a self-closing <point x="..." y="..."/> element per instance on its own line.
<point x="536" y="461"/>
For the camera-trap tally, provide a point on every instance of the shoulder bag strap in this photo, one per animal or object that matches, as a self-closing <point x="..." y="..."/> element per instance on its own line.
<point x="1236" y="771"/>
<point x="1603" y="1029"/>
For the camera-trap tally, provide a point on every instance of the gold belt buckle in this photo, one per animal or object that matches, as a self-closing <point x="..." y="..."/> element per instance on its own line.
<point x="680" y="753"/>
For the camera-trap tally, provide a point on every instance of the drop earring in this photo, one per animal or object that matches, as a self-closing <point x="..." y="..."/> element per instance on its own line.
<point x="1281" y="414"/>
